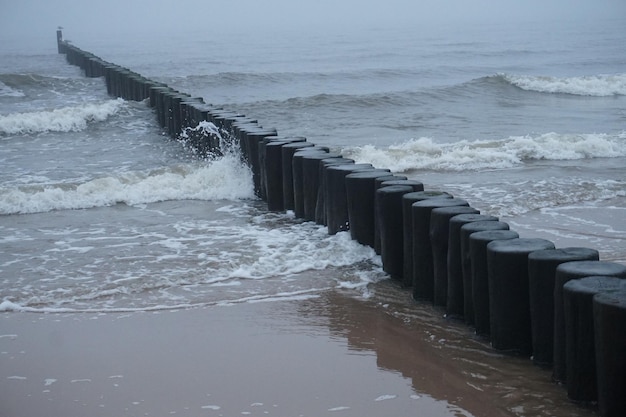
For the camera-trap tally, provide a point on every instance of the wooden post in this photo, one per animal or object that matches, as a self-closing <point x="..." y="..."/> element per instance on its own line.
<point x="60" y="40"/>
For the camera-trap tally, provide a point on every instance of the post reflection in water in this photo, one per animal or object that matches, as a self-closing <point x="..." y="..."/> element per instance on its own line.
<point x="442" y="359"/>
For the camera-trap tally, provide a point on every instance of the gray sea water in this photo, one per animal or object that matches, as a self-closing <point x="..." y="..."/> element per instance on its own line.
<point x="100" y="211"/>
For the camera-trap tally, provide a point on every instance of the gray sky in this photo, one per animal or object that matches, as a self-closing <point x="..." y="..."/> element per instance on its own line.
<point x="19" y="18"/>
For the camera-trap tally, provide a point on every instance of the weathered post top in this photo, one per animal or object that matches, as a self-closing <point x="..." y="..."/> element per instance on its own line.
<point x="59" y="39"/>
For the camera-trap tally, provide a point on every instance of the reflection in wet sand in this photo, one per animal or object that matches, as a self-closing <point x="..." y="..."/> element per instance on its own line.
<point x="442" y="358"/>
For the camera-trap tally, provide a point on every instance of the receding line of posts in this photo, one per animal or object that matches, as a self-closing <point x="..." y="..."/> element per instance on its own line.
<point x="564" y="306"/>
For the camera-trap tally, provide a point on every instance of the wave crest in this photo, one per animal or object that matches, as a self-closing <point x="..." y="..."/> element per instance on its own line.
<point x="593" y="85"/>
<point x="225" y="178"/>
<point x="424" y="153"/>
<point x="7" y="91"/>
<point x="66" y="119"/>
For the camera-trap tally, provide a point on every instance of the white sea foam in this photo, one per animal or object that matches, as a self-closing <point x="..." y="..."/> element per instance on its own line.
<point x="224" y="141"/>
<point x="172" y="265"/>
<point x="297" y="296"/>
<point x="6" y="91"/>
<point x="203" y="127"/>
<point x="224" y="178"/>
<point x="593" y="85"/>
<point x="315" y="250"/>
<point x="11" y="306"/>
<point x="386" y="397"/>
<point x="66" y="119"/>
<point x="425" y="153"/>
<point x="520" y="196"/>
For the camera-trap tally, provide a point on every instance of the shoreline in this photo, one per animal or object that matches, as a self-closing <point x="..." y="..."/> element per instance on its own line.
<point x="330" y="355"/>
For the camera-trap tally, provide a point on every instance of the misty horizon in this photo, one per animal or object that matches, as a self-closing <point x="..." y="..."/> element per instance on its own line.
<point x="37" y="20"/>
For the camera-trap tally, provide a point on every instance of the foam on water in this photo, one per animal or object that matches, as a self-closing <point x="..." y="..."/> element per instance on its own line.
<point x="202" y="127"/>
<point x="168" y="255"/>
<point x="6" y="91"/>
<point x="425" y="153"/>
<point x="224" y="178"/>
<point x="66" y="119"/>
<point x="593" y="85"/>
<point x="149" y="253"/>
<point x="520" y="196"/>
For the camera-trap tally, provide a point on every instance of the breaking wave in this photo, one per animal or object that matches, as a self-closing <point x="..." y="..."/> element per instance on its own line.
<point x="592" y="85"/>
<point x="65" y="119"/>
<point x="224" y="178"/>
<point x="425" y="153"/>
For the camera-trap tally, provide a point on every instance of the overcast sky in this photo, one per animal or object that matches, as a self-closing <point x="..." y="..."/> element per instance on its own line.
<point x="19" y="18"/>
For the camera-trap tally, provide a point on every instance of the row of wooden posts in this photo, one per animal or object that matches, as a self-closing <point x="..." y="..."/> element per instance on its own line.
<point x="564" y="307"/>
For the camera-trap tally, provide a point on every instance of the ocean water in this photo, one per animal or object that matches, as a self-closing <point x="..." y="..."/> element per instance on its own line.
<point x="101" y="212"/>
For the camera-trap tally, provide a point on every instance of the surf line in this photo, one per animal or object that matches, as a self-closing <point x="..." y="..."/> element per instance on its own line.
<point x="513" y="291"/>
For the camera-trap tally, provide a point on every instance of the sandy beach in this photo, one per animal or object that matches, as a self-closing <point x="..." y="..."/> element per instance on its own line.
<point x="330" y="355"/>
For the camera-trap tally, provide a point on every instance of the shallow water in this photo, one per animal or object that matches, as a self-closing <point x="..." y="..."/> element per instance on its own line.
<point x="330" y="354"/>
<point x="170" y="255"/>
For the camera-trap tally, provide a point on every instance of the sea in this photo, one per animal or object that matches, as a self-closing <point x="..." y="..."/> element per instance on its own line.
<point x="101" y="211"/>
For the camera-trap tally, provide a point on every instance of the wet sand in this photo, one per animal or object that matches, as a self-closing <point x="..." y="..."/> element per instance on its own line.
<point x="331" y="355"/>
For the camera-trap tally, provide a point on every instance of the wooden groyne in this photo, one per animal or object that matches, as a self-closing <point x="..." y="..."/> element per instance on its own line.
<point x="563" y="307"/>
